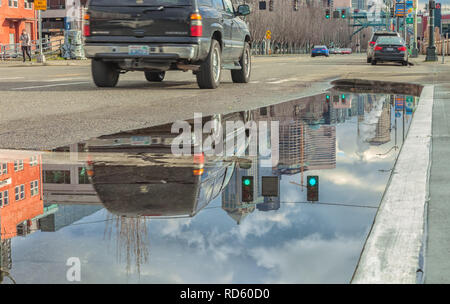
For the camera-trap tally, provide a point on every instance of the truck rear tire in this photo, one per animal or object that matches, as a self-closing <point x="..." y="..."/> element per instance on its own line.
<point x="208" y="77"/>
<point x="105" y="74"/>
<point x="155" y="76"/>
<point x="243" y="75"/>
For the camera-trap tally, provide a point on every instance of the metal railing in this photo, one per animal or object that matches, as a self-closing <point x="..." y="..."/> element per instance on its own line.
<point x="14" y="51"/>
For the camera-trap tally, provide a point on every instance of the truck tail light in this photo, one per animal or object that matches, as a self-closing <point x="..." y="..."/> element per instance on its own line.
<point x="378" y="48"/>
<point x="87" y="26"/>
<point x="196" y="25"/>
<point x="402" y="49"/>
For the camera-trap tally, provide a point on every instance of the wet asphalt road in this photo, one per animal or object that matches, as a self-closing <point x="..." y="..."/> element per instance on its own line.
<point x="42" y="107"/>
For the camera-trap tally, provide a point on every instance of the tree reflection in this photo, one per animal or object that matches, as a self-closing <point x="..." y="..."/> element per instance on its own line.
<point x="131" y="240"/>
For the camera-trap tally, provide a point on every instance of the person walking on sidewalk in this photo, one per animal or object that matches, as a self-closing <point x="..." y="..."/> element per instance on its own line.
<point x="25" y="41"/>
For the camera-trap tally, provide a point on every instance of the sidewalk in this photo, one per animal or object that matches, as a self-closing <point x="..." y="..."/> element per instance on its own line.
<point x="437" y="257"/>
<point x="16" y="64"/>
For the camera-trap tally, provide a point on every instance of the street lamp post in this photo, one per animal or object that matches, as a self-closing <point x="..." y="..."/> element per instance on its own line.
<point x="431" y="49"/>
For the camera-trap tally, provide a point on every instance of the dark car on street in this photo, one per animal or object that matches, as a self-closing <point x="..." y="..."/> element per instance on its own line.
<point x="390" y="49"/>
<point x="155" y="36"/>
<point x="373" y="41"/>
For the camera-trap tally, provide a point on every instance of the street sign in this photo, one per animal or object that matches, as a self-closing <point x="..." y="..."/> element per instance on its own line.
<point x="400" y="10"/>
<point x="409" y="20"/>
<point x="40" y="5"/>
<point x="268" y="35"/>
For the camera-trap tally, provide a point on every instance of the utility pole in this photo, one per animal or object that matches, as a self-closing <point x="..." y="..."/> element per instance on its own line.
<point x="431" y="49"/>
<point x="415" y="50"/>
<point x="404" y="21"/>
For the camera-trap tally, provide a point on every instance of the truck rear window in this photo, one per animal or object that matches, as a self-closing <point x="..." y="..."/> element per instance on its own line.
<point x="141" y="2"/>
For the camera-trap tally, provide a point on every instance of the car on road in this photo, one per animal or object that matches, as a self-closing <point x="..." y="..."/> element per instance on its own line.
<point x="373" y="41"/>
<point x="155" y="36"/>
<point x="320" y="50"/>
<point x="346" y="51"/>
<point x="390" y="49"/>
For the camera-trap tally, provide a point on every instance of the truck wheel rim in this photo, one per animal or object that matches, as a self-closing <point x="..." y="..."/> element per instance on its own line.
<point x="247" y="63"/>
<point x="216" y="65"/>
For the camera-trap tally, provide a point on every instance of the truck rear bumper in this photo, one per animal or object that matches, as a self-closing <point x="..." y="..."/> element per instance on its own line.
<point x="166" y="52"/>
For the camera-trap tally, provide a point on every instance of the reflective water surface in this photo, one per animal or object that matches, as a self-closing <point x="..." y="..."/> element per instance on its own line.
<point x="131" y="211"/>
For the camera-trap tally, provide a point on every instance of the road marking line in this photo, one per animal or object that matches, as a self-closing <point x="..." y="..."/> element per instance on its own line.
<point x="49" y="85"/>
<point x="12" y="78"/>
<point x="283" y="80"/>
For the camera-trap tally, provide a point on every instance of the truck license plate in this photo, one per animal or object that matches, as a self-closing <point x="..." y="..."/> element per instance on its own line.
<point x="138" y="50"/>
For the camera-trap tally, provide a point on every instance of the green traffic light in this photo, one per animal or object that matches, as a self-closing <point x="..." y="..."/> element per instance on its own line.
<point x="328" y="96"/>
<point x="247" y="182"/>
<point x="343" y="96"/>
<point x="312" y="181"/>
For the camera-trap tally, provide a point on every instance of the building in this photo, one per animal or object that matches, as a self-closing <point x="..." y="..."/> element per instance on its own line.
<point x="21" y="196"/>
<point x="15" y="16"/>
<point x="62" y="15"/>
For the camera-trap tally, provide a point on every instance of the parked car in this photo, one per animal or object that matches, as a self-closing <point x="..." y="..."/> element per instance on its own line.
<point x="346" y="51"/>
<point x="320" y="50"/>
<point x="155" y="36"/>
<point x="373" y="41"/>
<point x="334" y="50"/>
<point x="390" y="49"/>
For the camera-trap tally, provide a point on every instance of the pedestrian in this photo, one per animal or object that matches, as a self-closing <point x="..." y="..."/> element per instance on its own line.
<point x="25" y="41"/>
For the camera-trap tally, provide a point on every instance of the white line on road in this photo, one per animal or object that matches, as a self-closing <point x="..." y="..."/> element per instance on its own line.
<point x="50" y="85"/>
<point x="12" y="78"/>
<point x="283" y="80"/>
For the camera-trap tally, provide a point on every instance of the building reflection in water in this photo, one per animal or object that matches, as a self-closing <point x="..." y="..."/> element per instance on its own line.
<point x="21" y="201"/>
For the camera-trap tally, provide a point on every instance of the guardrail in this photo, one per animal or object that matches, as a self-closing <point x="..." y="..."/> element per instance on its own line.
<point x="14" y="51"/>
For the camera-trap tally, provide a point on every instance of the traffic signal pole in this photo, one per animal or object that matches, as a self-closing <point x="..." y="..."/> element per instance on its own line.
<point x="431" y="49"/>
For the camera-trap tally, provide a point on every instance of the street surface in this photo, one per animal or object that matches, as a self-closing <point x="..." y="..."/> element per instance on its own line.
<point x="43" y="107"/>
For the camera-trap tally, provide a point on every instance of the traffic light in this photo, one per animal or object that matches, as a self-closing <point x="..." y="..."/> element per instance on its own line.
<point x="343" y="14"/>
<point x="344" y="98"/>
<point x="327" y="98"/>
<point x="270" y="5"/>
<point x="327" y="14"/>
<point x="312" y="188"/>
<point x="247" y="189"/>
<point x="336" y="14"/>
<point x="296" y="5"/>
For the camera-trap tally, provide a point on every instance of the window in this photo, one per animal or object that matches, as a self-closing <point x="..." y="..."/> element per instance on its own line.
<point x="33" y="161"/>
<point x="218" y="4"/>
<point x="83" y="178"/>
<point x="228" y="6"/>
<point x="28" y="5"/>
<point x="4" y="199"/>
<point x="3" y="169"/>
<point x="57" y="177"/>
<point x="34" y="188"/>
<point x="13" y="3"/>
<point x="18" y="165"/>
<point x="205" y="3"/>
<point x="19" y="192"/>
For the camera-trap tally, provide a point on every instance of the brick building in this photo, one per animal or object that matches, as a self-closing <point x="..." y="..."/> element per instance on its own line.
<point x="16" y="15"/>
<point x="21" y="196"/>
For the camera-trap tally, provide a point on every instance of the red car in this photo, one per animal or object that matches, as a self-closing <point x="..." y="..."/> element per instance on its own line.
<point x="346" y="51"/>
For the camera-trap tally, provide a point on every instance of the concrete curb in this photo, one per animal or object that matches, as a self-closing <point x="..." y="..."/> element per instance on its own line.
<point x="392" y="250"/>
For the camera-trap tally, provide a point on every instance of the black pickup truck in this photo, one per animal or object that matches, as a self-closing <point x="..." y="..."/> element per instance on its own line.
<point x="154" y="36"/>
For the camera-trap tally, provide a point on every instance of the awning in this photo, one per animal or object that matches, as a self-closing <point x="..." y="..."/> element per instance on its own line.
<point x="19" y="19"/>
